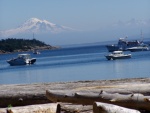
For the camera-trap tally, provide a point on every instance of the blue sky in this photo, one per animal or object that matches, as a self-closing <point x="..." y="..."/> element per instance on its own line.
<point x="78" y="14"/>
<point x="86" y="15"/>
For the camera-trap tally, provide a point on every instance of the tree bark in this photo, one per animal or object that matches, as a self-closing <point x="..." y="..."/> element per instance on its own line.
<point x="99" y="107"/>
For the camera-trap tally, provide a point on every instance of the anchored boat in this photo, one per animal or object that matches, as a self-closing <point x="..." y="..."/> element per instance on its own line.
<point x="123" y="45"/>
<point x="36" y="52"/>
<point x="117" y="55"/>
<point x="22" y="59"/>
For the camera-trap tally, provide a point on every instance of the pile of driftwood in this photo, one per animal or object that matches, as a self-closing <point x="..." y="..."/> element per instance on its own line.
<point x="87" y="102"/>
<point x="80" y="97"/>
<point x="104" y="102"/>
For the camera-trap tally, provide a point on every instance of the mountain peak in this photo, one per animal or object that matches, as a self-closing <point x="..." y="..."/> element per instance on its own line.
<point x="33" y="20"/>
<point x="132" y="23"/>
<point x="37" y="22"/>
<point x="37" y="26"/>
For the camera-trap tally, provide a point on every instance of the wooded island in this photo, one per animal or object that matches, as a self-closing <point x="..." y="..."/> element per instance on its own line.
<point x="18" y="45"/>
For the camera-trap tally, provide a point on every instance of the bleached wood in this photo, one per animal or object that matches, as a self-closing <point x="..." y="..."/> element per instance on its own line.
<point x="41" y="108"/>
<point x="99" y="107"/>
<point x="133" y="101"/>
<point x="3" y="110"/>
<point x="76" y="108"/>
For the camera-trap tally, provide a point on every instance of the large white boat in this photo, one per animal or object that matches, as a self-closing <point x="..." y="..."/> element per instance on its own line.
<point x="117" y="55"/>
<point x="139" y="48"/>
<point x="22" y="59"/>
<point x="123" y="45"/>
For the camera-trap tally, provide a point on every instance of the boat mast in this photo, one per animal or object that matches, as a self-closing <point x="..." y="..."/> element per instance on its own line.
<point x="142" y="38"/>
<point x="33" y="35"/>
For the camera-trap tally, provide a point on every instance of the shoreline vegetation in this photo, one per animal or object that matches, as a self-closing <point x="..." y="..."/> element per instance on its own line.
<point x="78" y="96"/>
<point x="12" y="45"/>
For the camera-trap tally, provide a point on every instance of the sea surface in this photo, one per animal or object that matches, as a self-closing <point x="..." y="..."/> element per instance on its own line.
<point x="76" y="63"/>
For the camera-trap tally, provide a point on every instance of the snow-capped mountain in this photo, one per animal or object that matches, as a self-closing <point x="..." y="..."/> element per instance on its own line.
<point x="133" y="23"/>
<point x="37" y="26"/>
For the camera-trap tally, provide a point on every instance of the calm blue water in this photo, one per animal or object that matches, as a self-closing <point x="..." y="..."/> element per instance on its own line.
<point x="74" y="64"/>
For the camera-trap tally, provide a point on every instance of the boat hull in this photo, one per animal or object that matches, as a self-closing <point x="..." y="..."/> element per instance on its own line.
<point x="136" y="49"/>
<point x="33" y="60"/>
<point x="15" y="62"/>
<point x="120" y="57"/>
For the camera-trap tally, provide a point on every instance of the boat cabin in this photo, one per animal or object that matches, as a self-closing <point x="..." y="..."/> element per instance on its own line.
<point x="24" y="56"/>
<point x="117" y="52"/>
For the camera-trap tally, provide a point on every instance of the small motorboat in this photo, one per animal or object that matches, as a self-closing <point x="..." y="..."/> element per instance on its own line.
<point x="117" y="55"/>
<point x="139" y="48"/>
<point x="36" y="52"/>
<point x="22" y="59"/>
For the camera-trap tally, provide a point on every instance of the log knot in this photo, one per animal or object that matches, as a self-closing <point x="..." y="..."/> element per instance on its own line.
<point x="101" y="92"/>
<point x="20" y="99"/>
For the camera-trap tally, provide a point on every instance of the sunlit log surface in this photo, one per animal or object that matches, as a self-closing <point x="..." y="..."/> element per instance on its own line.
<point x="76" y="108"/>
<point x="99" y="107"/>
<point x="41" y="108"/>
<point x="134" y="101"/>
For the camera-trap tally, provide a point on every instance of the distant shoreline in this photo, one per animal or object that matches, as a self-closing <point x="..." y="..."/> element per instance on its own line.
<point x="12" y="45"/>
<point x="28" y="50"/>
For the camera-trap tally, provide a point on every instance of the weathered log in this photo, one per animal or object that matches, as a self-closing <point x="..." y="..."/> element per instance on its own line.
<point x="99" y="107"/>
<point x="23" y="99"/>
<point x="76" y="108"/>
<point x="61" y="107"/>
<point x="41" y="108"/>
<point x="133" y="101"/>
<point x="60" y="96"/>
<point x="3" y="110"/>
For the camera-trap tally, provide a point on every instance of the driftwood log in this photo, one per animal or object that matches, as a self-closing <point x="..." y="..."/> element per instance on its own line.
<point x="75" y="108"/>
<point x="41" y="108"/>
<point x="99" y="107"/>
<point x="50" y="108"/>
<point x="133" y="101"/>
<point x="22" y="99"/>
<point x="3" y="110"/>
